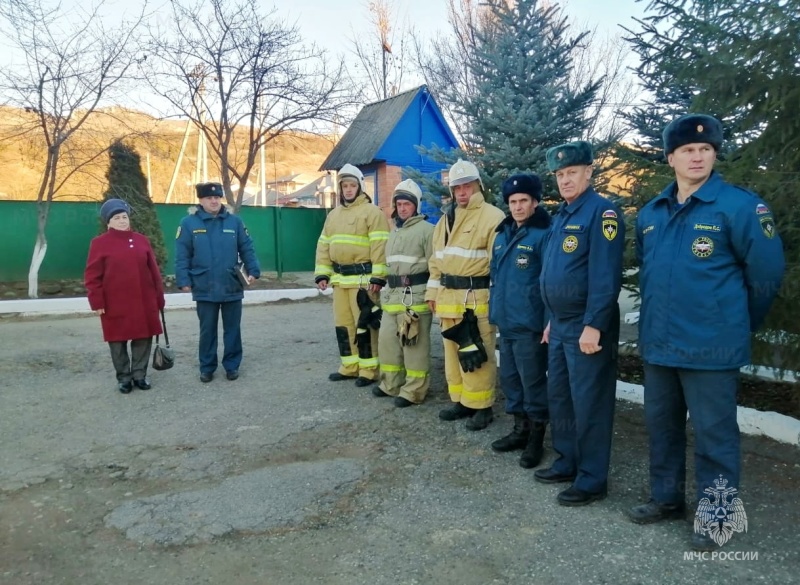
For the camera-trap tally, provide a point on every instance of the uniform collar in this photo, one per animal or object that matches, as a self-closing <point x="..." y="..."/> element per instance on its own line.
<point x="707" y="192"/>
<point x="203" y="214"/>
<point x="475" y="201"/>
<point x="411" y="221"/>
<point x="360" y="198"/>
<point x="578" y="203"/>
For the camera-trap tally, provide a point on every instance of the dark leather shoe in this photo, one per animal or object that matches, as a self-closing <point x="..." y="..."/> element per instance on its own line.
<point x="702" y="542"/>
<point x="456" y="411"/>
<point x="361" y="382"/>
<point x="378" y="393"/>
<point x="480" y="420"/>
<point x="337" y="377"/>
<point x="572" y="496"/>
<point x="125" y="387"/>
<point x="232" y="374"/>
<point x="206" y="377"/>
<point x="401" y="402"/>
<point x="143" y="384"/>
<point x="550" y="476"/>
<point x="652" y="512"/>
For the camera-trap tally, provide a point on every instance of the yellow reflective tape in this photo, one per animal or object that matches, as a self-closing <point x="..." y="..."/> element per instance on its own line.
<point x="368" y="363"/>
<point x="480" y="396"/>
<point x="348" y="239"/>
<point x="380" y="269"/>
<point x="480" y="309"/>
<point x="416" y="373"/>
<point x="423" y="308"/>
<point x="351" y="280"/>
<point x="456" y="389"/>
<point x="349" y="360"/>
<point x="472" y="347"/>
<point x="376" y="236"/>
<point x="323" y="270"/>
<point x="391" y="368"/>
<point x="323" y="240"/>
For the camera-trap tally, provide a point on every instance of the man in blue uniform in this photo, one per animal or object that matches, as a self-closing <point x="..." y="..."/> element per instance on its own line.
<point x="711" y="264"/>
<point x="581" y="279"/>
<point x="209" y="245"/>
<point x="516" y="308"/>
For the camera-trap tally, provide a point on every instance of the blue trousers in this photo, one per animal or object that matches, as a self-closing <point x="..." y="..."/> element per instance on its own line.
<point x="710" y="397"/>
<point x="581" y="390"/>
<point x="523" y="376"/>
<point x="208" y="313"/>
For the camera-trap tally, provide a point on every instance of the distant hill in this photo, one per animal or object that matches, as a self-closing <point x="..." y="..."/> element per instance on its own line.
<point x="22" y="156"/>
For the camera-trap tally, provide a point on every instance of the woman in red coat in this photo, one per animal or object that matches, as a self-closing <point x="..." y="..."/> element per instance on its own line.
<point x="125" y="289"/>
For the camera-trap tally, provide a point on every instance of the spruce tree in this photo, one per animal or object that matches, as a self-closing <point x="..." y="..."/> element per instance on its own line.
<point x="126" y="181"/>
<point x="523" y="101"/>
<point x="736" y="60"/>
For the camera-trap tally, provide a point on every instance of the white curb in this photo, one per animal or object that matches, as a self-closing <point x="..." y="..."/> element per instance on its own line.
<point x="80" y="305"/>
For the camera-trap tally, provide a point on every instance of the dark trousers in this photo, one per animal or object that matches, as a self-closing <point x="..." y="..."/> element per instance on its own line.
<point x="523" y="376"/>
<point x="581" y="390"/>
<point x="135" y="366"/>
<point x="208" y="313"/>
<point x="710" y="398"/>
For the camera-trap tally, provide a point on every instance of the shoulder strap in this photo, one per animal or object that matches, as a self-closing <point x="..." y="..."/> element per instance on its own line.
<point x="164" y="325"/>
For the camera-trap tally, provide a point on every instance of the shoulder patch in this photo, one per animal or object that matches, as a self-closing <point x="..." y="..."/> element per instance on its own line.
<point x="648" y="229"/>
<point x="178" y="233"/>
<point x="761" y="209"/>
<point x="768" y="226"/>
<point x="610" y="229"/>
<point x="610" y="213"/>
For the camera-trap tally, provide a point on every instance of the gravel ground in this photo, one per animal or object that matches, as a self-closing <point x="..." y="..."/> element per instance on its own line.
<point x="284" y="477"/>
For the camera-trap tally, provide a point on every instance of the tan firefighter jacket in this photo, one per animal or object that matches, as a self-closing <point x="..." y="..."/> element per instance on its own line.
<point x="407" y="253"/>
<point x="353" y="234"/>
<point x="464" y="250"/>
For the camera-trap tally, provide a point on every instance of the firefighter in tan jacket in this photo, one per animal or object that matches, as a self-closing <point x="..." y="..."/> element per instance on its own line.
<point x="404" y="342"/>
<point x="458" y="292"/>
<point x="351" y="258"/>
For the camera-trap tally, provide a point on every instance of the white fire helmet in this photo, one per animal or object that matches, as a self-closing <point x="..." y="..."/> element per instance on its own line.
<point x="461" y="173"/>
<point x="349" y="171"/>
<point x="411" y="190"/>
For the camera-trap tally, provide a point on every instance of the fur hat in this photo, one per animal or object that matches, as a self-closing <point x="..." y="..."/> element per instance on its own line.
<point x="691" y="129"/>
<point x="209" y="190"/>
<point x="522" y="183"/>
<point x="112" y="207"/>
<point x="569" y="155"/>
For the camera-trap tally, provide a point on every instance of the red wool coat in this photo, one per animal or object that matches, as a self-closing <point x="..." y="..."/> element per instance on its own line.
<point x="122" y="277"/>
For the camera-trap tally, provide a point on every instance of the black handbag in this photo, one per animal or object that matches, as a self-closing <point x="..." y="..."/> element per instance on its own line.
<point x="163" y="356"/>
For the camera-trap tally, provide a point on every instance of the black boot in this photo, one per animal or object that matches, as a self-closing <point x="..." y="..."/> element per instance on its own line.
<point x="518" y="437"/>
<point x="532" y="455"/>
<point x="480" y="420"/>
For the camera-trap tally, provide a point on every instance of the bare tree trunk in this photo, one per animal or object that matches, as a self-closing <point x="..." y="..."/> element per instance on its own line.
<point x="39" y="250"/>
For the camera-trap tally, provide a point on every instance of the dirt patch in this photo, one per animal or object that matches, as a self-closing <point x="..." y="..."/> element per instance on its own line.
<point x="754" y="392"/>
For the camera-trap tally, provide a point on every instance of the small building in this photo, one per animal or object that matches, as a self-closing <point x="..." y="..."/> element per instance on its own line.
<point x="382" y="140"/>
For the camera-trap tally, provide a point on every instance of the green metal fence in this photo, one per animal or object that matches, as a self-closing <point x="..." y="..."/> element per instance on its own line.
<point x="285" y="238"/>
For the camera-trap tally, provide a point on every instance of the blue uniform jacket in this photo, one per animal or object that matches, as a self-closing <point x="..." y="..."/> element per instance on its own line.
<point x="515" y="298"/>
<point x="582" y="270"/>
<point x="207" y="249"/>
<point x="709" y="272"/>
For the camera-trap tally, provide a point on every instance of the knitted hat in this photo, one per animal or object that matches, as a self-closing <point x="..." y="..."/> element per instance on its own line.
<point x="569" y="155"/>
<point x="209" y="190"/>
<point x="112" y="207"/>
<point x="691" y="129"/>
<point x="522" y="183"/>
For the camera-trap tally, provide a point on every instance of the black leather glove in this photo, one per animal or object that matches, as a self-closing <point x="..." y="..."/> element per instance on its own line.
<point x="471" y="351"/>
<point x="370" y="314"/>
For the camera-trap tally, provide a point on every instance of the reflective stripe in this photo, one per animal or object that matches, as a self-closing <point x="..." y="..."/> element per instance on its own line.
<point x="378" y="236"/>
<point x="349" y="360"/>
<point x="354" y="280"/>
<point x="403" y="258"/>
<point x="391" y="368"/>
<point x="416" y="373"/>
<point x="472" y="347"/>
<point x="323" y="270"/>
<point x="368" y="363"/>
<point x="351" y="240"/>
<point x="480" y="396"/>
<point x="480" y="309"/>
<point x="380" y="269"/>
<point x="455" y="389"/>
<point x="433" y="283"/>
<point x="323" y="240"/>
<point x="394" y="309"/>
<point x="462" y="252"/>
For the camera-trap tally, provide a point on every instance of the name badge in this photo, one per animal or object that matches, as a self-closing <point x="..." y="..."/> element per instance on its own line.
<point x="573" y="227"/>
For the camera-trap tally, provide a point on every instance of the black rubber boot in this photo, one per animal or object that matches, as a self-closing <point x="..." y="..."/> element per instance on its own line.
<point x="480" y="420"/>
<point x="456" y="411"/>
<point x="532" y="455"/>
<point x="518" y="437"/>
